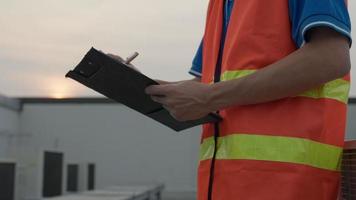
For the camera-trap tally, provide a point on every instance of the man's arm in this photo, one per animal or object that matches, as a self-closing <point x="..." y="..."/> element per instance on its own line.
<point x="324" y="58"/>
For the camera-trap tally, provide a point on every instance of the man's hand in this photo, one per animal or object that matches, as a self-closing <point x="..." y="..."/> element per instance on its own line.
<point x="185" y="100"/>
<point x="118" y="58"/>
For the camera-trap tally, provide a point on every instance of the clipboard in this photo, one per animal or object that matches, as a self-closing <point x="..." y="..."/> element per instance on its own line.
<point x="117" y="81"/>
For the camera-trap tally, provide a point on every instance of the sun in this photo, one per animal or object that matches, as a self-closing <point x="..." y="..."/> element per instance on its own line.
<point x="60" y="88"/>
<point x="59" y="96"/>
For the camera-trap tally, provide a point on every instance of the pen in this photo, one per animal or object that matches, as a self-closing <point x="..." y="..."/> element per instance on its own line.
<point x="131" y="58"/>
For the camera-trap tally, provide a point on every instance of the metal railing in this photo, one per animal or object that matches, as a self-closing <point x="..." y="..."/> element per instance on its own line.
<point x="148" y="192"/>
<point x="348" y="168"/>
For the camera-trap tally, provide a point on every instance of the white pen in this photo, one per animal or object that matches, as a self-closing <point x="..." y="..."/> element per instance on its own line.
<point x="131" y="58"/>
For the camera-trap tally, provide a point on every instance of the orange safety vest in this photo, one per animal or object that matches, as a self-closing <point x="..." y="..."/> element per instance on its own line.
<point x="288" y="149"/>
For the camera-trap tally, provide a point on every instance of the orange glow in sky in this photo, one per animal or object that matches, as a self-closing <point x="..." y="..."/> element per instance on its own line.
<point x="60" y="88"/>
<point x="59" y="96"/>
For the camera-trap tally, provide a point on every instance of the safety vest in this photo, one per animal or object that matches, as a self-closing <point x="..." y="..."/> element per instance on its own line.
<point x="289" y="149"/>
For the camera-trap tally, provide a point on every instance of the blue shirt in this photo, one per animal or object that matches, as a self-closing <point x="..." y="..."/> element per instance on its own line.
<point x="304" y="15"/>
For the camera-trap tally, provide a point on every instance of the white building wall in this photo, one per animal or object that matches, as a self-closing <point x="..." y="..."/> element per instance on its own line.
<point x="126" y="146"/>
<point x="9" y="127"/>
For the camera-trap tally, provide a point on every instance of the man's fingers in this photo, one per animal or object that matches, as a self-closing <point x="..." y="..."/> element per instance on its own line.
<point x="166" y="105"/>
<point x="161" y="82"/>
<point x="158" y="90"/>
<point x="133" y="67"/>
<point x="116" y="57"/>
<point x="167" y="108"/>
<point x="173" y="113"/>
<point x="158" y="99"/>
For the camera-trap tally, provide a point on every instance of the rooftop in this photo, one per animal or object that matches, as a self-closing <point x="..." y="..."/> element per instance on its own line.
<point x="17" y="103"/>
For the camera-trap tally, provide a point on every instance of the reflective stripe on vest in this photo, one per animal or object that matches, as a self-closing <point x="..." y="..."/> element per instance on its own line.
<point x="273" y="148"/>
<point x="337" y="89"/>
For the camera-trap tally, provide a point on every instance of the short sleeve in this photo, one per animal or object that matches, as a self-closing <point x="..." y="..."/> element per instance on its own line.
<point x="308" y="14"/>
<point x="196" y="68"/>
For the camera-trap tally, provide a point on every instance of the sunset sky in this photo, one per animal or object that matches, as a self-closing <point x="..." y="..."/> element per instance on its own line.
<point x="40" y="40"/>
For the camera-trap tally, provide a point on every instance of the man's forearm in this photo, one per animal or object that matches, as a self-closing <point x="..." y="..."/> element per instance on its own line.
<point x="316" y="63"/>
<point x="324" y="58"/>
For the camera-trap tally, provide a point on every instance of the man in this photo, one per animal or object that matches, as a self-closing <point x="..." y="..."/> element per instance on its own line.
<point x="277" y="71"/>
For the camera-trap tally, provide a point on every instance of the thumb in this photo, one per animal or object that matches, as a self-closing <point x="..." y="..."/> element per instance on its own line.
<point x="157" y="90"/>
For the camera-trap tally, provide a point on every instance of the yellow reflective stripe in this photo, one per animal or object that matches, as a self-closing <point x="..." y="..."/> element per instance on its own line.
<point x="229" y="75"/>
<point x="273" y="148"/>
<point x="337" y="89"/>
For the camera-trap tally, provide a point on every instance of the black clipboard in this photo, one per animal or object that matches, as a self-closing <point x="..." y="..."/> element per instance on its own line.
<point x="123" y="84"/>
